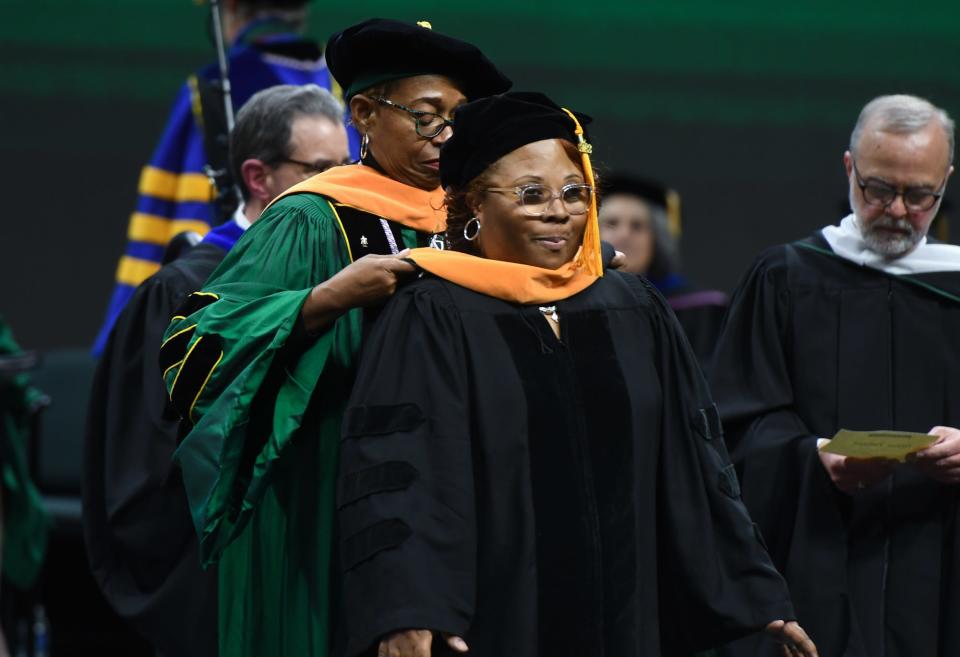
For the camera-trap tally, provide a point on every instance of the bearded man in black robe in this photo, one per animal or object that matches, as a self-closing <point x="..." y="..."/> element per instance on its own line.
<point x="857" y="327"/>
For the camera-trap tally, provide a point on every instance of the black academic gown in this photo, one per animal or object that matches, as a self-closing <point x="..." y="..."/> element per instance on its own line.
<point x="542" y="497"/>
<point x="700" y="313"/>
<point x="140" y="538"/>
<point x="813" y="344"/>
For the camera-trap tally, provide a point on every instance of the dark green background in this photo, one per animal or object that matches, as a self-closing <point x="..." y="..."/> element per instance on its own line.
<point x="745" y="107"/>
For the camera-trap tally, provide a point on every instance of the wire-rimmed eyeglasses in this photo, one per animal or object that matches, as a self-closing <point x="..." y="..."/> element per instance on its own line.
<point x="429" y="124"/>
<point x="535" y="199"/>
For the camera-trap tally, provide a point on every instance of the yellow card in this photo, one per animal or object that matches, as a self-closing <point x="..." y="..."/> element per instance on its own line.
<point x="895" y="445"/>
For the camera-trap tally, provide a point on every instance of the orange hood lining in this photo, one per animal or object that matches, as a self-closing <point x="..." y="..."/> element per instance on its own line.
<point x="367" y="189"/>
<point x="508" y="281"/>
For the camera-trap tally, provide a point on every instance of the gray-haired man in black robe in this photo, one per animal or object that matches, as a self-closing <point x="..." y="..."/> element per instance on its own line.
<point x="857" y="327"/>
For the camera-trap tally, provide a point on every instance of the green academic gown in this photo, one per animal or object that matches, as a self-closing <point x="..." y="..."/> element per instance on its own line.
<point x="262" y="403"/>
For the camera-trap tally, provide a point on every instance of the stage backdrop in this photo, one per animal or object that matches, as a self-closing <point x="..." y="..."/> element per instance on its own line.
<point x="744" y="106"/>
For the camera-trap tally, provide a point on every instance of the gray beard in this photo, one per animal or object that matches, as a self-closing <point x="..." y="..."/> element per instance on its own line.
<point x="886" y="244"/>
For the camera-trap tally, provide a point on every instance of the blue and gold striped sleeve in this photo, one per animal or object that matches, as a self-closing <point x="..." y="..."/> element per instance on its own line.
<point x="174" y="195"/>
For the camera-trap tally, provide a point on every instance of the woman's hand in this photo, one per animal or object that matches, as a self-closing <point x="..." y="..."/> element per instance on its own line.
<point x="416" y="643"/>
<point x="795" y="641"/>
<point x="365" y="282"/>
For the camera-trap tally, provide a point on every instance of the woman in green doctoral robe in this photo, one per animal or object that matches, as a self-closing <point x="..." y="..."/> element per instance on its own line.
<point x="531" y="462"/>
<point x="260" y="362"/>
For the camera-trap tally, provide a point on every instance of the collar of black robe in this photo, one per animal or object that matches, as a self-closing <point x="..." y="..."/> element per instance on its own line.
<point x="818" y="244"/>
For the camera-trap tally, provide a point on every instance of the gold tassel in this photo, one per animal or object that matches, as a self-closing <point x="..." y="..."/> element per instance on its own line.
<point x="589" y="258"/>
<point x="674" y="227"/>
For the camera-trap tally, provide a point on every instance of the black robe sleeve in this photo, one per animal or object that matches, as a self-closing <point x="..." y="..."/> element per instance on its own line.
<point x="718" y="582"/>
<point x="139" y="535"/>
<point x="701" y="325"/>
<point x="406" y="491"/>
<point x="773" y="449"/>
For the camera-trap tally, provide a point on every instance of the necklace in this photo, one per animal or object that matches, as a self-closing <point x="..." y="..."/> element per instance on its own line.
<point x="550" y="312"/>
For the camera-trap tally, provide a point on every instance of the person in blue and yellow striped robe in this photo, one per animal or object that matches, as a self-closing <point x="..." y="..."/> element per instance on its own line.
<point x="174" y="194"/>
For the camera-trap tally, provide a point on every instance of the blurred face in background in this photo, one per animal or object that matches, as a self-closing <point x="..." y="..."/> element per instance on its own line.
<point x="626" y="222"/>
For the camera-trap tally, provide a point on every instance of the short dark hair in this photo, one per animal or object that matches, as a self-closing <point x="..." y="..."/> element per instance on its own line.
<point x="263" y="125"/>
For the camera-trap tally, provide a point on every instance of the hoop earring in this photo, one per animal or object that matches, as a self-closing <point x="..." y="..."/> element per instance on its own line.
<point x="466" y="230"/>
<point x="364" y="146"/>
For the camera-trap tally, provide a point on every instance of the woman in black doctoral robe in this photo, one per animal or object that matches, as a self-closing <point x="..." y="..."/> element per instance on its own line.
<point x="531" y="463"/>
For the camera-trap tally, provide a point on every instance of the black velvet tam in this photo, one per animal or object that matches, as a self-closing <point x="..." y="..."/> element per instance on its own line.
<point x="487" y="129"/>
<point x="644" y="188"/>
<point x="379" y="50"/>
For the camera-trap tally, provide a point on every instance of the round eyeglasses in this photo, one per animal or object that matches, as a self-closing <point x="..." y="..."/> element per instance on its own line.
<point x="915" y="199"/>
<point x="536" y="199"/>
<point x="429" y="124"/>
